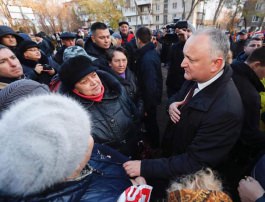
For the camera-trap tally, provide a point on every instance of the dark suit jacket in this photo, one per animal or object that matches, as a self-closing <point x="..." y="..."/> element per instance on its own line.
<point x="209" y="127"/>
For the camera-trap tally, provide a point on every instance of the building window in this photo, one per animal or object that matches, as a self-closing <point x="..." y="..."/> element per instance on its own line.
<point x="174" y="5"/>
<point x="165" y="19"/>
<point x="255" y="18"/>
<point x="157" y="7"/>
<point x="157" y="18"/>
<point x="258" y="6"/>
<point x="129" y="19"/>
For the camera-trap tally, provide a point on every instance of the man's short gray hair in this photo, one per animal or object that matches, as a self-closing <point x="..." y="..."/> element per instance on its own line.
<point x="219" y="41"/>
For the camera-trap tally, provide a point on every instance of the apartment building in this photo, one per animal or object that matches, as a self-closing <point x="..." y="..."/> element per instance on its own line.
<point x="156" y="13"/>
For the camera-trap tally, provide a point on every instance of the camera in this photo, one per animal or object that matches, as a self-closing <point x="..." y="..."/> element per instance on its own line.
<point x="46" y="67"/>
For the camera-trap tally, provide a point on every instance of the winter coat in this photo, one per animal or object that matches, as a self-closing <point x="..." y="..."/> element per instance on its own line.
<point x="241" y="57"/>
<point x="45" y="47"/>
<point x="131" y="49"/>
<point x="29" y="66"/>
<point x="209" y="127"/>
<point x="249" y="87"/>
<point x="114" y="118"/>
<point x="252" y="140"/>
<point x="238" y="47"/>
<point x="175" y="75"/>
<point x="105" y="184"/>
<point x="131" y="85"/>
<point x="126" y="38"/>
<point x="149" y="75"/>
<point x="99" y="53"/>
<point x="58" y="57"/>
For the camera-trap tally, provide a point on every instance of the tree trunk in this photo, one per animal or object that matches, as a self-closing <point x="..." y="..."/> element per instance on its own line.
<point x="218" y="10"/>
<point x="184" y="10"/>
<point x="235" y="13"/>
<point x="193" y="6"/>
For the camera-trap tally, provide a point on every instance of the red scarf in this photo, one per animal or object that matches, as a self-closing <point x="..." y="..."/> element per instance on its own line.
<point x="95" y="98"/>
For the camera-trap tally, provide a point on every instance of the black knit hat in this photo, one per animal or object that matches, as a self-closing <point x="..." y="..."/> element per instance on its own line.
<point x="25" y="45"/>
<point x="74" y="69"/>
<point x="122" y="23"/>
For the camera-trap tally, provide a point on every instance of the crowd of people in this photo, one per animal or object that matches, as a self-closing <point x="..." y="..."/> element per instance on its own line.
<point x="79" y="119"/>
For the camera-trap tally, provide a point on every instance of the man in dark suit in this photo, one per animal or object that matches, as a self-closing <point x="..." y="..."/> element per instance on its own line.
<point x="204" y="129"/>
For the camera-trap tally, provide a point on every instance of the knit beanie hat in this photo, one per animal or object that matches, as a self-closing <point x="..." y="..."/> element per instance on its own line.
<point x="45" y="145"/>
<point x="74" y="69"/>
<point x="19" y="89"/>
<point x="73" y="51"/>
<point x="25" y="45"/>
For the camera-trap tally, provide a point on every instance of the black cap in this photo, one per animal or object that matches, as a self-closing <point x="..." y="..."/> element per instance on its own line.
<point x="242" y="32"/>
<point x="122" y="23"/>
<point x="25" y="45"/>
<point x="68" y="35"/>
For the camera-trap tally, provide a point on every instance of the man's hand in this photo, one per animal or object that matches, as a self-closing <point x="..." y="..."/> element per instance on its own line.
<point x="174" y="112"/>
<point x="249" y="190"/>
<point x="38" y="68"/>
<point x="50" y="72"/>
<point x="138" y="181"/>
<point x="132" y="168"/>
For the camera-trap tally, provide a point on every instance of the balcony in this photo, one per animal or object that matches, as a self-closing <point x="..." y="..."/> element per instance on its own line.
<point x="143" y="2"/>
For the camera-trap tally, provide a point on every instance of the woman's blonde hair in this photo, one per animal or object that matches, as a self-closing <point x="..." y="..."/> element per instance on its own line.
<point x="204" y="179"/>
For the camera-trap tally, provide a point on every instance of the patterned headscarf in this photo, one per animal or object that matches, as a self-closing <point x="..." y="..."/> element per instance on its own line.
<point x="188" y="195"/>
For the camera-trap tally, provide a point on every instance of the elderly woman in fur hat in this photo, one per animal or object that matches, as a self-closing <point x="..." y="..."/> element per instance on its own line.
<point x="114" y="115"/>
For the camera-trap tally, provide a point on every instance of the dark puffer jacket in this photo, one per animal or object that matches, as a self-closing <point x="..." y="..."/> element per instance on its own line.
<point x="114" y="118"/>
<point x="105" y="184"/>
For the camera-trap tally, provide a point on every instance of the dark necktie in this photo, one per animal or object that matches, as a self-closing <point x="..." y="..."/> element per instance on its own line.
<point x="189" y="94"/>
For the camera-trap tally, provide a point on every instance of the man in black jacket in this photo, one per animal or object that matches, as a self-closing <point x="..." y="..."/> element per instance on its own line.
<point x="175" y="75"/>
<point x="247" y="77"/>
<point x="204" y="129"/>
<point x="149" y="75"/>
<point x="98" y="44"/>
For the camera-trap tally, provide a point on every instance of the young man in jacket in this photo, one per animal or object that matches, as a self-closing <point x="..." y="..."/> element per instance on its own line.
<point x="149" y="75"/>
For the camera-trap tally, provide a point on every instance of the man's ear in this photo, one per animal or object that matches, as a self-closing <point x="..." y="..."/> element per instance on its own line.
<point x="255" y="65"/>
<point x="93" y="38"/>
<point x="217" y="64"/>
